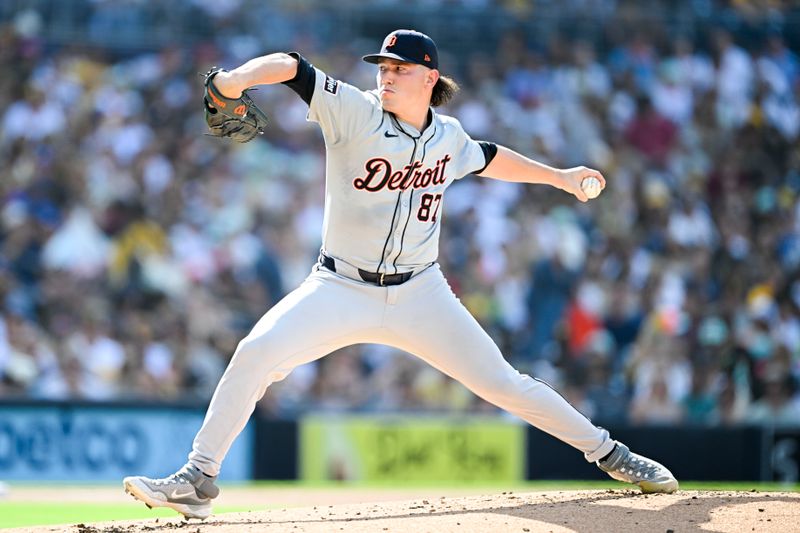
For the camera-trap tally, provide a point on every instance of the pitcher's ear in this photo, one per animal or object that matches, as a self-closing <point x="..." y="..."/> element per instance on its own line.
<point x="433" y="77"/>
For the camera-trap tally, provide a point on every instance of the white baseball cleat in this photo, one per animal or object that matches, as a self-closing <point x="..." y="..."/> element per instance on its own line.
<point x="187" y="491"/>
<point x="650" y="476"/>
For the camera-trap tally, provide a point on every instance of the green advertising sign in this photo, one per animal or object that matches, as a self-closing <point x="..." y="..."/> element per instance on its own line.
<point x="411" y="449"/>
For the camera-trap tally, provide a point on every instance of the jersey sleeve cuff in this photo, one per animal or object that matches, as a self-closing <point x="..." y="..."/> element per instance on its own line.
<point x="305" y="79"/>
<point x="489" y="151"/>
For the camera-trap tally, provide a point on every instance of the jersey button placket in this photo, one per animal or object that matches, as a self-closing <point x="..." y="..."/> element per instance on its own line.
<point x="398" y="232"/>
<point x="403" y="203"/>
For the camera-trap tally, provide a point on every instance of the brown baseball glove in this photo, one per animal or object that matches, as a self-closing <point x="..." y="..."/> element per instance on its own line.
<point x="239" y="119"/>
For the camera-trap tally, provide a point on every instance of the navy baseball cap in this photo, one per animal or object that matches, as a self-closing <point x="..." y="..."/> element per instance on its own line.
<point x="409" y="46"/>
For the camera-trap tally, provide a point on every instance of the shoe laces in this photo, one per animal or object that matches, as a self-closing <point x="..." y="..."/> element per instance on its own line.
<point x="636" y="465"/>
<point x="181" y="476"/>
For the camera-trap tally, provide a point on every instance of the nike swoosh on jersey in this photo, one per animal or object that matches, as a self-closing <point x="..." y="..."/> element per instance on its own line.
<point x="387" y="134"/>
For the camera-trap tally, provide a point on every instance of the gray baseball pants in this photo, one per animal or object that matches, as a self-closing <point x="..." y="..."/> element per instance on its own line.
<point x="329" y="311"/>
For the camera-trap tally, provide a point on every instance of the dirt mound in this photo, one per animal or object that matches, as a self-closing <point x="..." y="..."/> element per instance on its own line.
<point x="556" y="511"/>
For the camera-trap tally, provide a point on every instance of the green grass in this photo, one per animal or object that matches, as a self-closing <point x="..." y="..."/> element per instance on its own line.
<point x="23" y="514"/>
<point x="29" y="513"/>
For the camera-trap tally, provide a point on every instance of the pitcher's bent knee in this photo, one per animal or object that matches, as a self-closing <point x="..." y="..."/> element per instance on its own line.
<point x="272" y="357"/>
<point x="253" y="355"/>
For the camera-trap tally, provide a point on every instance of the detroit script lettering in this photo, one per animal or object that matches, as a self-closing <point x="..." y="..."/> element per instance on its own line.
<point x="380" y="175"/>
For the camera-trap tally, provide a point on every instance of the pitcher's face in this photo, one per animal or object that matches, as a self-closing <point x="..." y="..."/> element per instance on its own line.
<point x="402" y="84"/>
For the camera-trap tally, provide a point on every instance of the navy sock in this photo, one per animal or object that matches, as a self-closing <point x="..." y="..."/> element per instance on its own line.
<point x="609" y="453"/>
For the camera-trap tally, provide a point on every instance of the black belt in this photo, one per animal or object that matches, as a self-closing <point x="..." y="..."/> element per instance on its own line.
<point x="381" y="280"/>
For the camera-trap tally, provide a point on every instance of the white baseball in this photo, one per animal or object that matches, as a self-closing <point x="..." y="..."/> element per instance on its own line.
<point x="591" y="187"/>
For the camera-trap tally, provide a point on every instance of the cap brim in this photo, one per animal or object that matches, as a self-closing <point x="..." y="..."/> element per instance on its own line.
<point x="375" y="58"/>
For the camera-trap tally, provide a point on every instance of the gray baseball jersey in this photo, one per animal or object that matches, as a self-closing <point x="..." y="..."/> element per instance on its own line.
<point x="385" y="180"/>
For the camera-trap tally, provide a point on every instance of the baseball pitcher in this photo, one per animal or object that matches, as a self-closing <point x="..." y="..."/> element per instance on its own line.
<point x="390" y="160"/>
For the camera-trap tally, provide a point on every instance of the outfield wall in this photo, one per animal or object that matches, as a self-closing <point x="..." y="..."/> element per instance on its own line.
<point x="99" y="443"/>
<point x="91" y="443"/>
<point x="751" y="453"/>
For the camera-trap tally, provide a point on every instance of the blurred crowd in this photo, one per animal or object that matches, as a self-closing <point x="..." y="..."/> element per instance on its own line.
<point x="135" y="252"/>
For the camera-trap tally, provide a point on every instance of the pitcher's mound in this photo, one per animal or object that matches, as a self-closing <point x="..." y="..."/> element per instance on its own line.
<point x="553" y="511"/>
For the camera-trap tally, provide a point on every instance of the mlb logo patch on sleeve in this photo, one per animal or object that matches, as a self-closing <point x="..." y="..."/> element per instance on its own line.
<point x="331" y="85"/>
